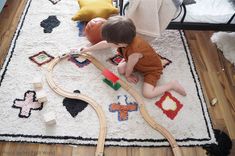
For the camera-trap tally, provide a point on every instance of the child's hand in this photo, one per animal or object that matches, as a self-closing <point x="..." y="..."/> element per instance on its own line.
<point x="132" y="78"/>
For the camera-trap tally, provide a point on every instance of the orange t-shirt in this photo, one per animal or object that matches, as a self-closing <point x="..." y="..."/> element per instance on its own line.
<point x="149" y="65"/>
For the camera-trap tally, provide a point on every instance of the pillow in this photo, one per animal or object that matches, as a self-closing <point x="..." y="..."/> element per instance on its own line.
<point x="90" y="9"/>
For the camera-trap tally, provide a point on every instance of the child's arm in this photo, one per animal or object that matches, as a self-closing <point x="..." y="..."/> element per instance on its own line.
<point x="97" y="46"/>
<point x="132" y="60"/>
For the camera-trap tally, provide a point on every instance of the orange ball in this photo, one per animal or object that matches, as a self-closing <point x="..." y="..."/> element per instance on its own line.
<point x="93" y="30"/>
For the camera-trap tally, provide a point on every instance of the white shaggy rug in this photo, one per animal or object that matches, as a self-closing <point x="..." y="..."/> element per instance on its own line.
<point x="225" y="41"/>
<point x="22" y="116"/>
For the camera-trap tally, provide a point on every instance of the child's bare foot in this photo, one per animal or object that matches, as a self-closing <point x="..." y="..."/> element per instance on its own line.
<point x="178" y="88"/>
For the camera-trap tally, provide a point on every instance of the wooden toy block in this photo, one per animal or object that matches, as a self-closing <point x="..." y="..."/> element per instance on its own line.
<point x="214" y="101"/>
<point x="37" y="82"/>
<point x="41" y="96"/>
<point x="49" y="118"/>
<point x="115" y="86"/>
<point x="110" y="76"/>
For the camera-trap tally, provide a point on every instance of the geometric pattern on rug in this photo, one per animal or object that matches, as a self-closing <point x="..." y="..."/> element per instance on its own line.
<point x="49" y="23"/>
<point x="165" y="61"/>
<point x="123" y="109"/>
<point x="116" y="59"/>
<point x="41" y="58"/>
<point x="27" y="104"/>
<point x="74" y="106"/>
<point x="79" y="61"/>
<point x="169" y="105"/>
<point x="54" y="1"/>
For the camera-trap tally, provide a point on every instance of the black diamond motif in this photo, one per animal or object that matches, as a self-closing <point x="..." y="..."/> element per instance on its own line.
<point x="50" y="23"/>
<point x="74" y="106"/>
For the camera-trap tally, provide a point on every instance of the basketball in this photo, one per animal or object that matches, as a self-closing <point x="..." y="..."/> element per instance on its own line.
<point x="93" y="30"/>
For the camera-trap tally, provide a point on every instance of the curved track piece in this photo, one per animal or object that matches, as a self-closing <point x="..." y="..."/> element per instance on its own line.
<point x="96" y="107"/>
<point x="175" y="148"/>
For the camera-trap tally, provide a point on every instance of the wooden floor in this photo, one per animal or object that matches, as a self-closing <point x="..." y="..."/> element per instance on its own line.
<point x="217" y="76"/>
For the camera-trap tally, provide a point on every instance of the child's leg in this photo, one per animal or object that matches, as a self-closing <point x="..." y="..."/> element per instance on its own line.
<point x="122" y="67"/>
<point x="177" y="87"/>
<point x="149" y="91"/>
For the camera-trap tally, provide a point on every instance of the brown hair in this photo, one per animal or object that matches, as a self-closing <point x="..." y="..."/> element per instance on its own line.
<point x="118" y="29"/>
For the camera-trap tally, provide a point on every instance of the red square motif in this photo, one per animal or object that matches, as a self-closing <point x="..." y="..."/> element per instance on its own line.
<point x="169" y="105"/>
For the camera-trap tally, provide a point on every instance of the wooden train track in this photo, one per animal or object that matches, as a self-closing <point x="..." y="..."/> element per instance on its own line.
<point x="100" y="146"/>
<point x="95" y="106"/>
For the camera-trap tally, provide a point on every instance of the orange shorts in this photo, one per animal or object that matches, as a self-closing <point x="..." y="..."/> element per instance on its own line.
<point x="152" y="78"/>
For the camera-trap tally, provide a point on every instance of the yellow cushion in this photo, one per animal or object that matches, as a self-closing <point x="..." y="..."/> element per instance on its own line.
<point x="90" y="9"/>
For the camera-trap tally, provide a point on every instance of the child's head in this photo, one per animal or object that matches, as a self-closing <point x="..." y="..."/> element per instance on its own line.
<point x="118" y="29"/>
